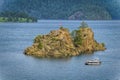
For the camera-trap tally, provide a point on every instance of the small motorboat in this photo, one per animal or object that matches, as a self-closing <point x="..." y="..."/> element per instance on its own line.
<point x="93" y="62"/>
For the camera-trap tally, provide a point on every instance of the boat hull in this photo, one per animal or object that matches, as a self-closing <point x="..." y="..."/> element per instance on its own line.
<point x="92" y="63"/>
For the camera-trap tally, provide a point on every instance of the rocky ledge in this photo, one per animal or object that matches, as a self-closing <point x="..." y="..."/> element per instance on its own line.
<point x="60" y="43"/>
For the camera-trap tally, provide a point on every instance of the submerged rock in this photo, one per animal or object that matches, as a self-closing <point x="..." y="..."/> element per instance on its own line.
<point x="59" y="43"/>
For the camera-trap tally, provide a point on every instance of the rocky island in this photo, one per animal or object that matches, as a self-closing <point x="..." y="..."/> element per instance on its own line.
<point x="61" y="43"/>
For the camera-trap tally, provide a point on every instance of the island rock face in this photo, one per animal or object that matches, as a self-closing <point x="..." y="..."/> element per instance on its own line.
<point x="88" y="43"/>
<point x="59" y="43"/>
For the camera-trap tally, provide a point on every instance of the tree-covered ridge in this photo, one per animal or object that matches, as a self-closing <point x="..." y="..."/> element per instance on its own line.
<point x="66" y="9"/>
<point x="8" y="16"/>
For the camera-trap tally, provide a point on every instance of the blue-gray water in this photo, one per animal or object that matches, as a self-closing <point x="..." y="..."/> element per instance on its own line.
<point x="14" y="65"/>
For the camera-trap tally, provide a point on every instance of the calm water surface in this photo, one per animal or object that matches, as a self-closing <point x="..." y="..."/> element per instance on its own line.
<point x="14" y="65"/>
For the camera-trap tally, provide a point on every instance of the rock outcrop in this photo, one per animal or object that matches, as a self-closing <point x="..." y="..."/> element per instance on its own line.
<point x="88" y="43"/>
<point x="59" y="43"/>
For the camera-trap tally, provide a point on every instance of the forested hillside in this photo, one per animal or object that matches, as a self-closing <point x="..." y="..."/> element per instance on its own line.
<point x="8" y="16"/>
<point x="65" y="9"/>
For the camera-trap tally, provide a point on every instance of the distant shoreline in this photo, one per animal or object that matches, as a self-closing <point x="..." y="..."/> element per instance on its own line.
<point x="72" y="20"/>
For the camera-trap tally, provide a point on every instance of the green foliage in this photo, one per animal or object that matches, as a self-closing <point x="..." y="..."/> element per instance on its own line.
<point x="62" y="9"/>
<point x="40" y="45"/>
<point x="78" y="39"/>
<point x="103" y="44"/>
<point x="16" y="17"/>
<point x="76" y="35"/>
<point x="38" y="39"/>
<point x="83" y="25"/>
<point x="54" y="39"/>
<point x="29" y="20"/>
<point x="61" y="27"/>
<point x="65" y="29"/>
<point x="1" y="19"/>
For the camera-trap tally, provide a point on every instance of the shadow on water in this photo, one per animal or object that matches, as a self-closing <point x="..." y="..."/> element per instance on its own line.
<point x="50" y="59"/>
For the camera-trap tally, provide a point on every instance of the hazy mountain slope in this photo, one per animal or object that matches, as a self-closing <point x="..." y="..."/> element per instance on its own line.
<point x="1" y="2"/>
<point x="65" y="9"/>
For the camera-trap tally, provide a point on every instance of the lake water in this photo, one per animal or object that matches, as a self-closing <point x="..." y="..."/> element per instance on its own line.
<point x="14" y="65"/>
